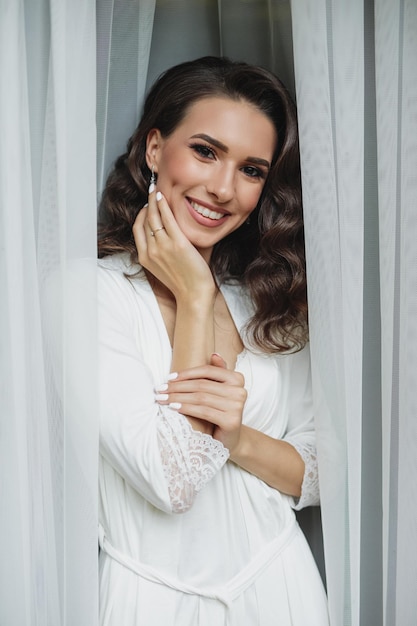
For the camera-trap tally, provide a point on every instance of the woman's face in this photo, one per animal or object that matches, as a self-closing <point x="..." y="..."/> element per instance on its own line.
<point x="213" y="167"/>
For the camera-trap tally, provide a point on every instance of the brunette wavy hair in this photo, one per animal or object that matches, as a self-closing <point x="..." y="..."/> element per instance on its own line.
<point x="267" y="256"/>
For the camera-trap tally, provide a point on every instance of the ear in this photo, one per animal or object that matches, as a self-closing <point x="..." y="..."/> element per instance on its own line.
<point x="153" y="145"/>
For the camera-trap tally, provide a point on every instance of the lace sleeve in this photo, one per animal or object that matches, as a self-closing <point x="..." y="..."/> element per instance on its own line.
<point x="310" y="493"/>
<point x="190" y="459"/>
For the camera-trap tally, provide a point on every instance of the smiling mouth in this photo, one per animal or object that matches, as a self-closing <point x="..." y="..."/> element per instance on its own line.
<point x="205" y="212"/>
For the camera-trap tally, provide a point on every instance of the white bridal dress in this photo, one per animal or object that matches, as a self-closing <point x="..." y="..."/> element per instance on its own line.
<point x="187" y="537"/>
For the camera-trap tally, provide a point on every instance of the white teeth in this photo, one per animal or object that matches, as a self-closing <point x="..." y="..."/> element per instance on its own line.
<point x="213" y="215"/>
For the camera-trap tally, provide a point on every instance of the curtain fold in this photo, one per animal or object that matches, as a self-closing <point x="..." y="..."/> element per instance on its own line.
<point x="355" y="83"/>
<point x="48" y="441"/>
<point x="124" y="34"/>
<point x="396" y="88"/>
<point x="331" y="134"/>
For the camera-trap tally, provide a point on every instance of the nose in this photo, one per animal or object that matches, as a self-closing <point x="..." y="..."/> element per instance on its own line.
<point x="222" y="183"/>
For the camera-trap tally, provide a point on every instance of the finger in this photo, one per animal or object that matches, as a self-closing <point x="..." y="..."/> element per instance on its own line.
<point x="217" y="360"/>
<point x="226" y="420"/>
<point x="166" y="217"/>
<point x="155" y="222"/>
<point x="204" y="387"/>
<point x="211" y="372"/>
<point x="141" y="217"/>
<point x="153" y="231"/>
<point x="225" y="400"/>
<point x="139" y="230"/>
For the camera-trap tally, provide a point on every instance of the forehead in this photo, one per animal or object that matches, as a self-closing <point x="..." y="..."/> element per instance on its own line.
<point x="236" y="123"/>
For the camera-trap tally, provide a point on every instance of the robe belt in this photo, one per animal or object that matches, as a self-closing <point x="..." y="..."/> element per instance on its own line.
<point x="225" y="593"/>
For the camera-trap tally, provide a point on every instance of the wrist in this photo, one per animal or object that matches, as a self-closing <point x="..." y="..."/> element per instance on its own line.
<point x="241" y="450"/>
<point x="196" y="303"/>
<point x="197" y="298"/>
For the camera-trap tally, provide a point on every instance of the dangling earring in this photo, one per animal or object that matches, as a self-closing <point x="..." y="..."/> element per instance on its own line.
<point x="153" y="177"/>
<point x="152" y="181"/>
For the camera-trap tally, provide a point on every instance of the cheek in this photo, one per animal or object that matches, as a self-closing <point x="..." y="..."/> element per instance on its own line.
<point x="176" y="167"/>
<point x="250" y="198"/>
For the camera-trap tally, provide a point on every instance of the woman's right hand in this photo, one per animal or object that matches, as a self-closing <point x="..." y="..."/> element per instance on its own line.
<point x="167" y="254"/>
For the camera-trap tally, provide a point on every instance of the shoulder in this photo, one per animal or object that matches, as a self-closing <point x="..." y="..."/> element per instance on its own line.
<point x="121" y="285"/>
<point x="297" y="366"/>
<point x="118" y="264"/>
<point x="118" y="272"/>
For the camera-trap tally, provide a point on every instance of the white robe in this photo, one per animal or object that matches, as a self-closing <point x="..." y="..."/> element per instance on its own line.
<point x="189" y="538"/>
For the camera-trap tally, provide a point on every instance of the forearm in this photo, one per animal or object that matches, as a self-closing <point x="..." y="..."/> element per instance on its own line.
<point x="193" y="341"/>
<point x="274" y="461"/>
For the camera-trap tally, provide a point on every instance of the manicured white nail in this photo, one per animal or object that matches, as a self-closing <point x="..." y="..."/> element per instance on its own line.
<point x="172" y="376"/>
<point x="158" y="196"/>
<point x="163" y="387"/>
<point x="145" y="206"/>
<point x="151" y="187"/>
<point x="161" y="397"/>
<point x="175" y="405"/>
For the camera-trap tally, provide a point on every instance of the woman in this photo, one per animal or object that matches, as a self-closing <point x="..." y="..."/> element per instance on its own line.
<point x="207" y="435"/>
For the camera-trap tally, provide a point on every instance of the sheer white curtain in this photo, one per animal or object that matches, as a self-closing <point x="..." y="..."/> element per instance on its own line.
<point x="355" y="83"/>
<point x="396" y="89"/>
<point x="48" y="438"/>
<point x="357" y="100"/>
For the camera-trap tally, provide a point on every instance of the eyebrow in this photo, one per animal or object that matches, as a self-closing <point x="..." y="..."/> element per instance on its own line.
<point x="221" y="146"/>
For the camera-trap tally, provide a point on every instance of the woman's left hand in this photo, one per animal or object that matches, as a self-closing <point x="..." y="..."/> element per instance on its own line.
<point x="211" y="393"/>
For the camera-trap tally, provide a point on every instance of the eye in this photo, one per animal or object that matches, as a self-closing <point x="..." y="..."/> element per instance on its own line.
<point x="253" y="172"/>
<point x="203" y="150"/>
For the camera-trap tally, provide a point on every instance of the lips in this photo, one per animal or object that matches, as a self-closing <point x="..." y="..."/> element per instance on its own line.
<point x="206" y="215"/>
<point x="205" y="211"/>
